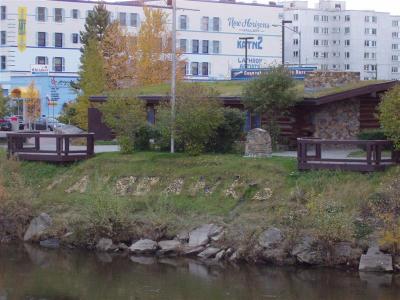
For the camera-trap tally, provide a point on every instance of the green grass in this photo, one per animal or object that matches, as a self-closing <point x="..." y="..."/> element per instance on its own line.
<point x="297" y="202"/>
<point x="235" y="88"/>
<point x="106" y="143"/>
<point x="363" y="154"/>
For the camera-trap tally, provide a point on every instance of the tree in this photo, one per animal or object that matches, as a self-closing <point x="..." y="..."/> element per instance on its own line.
<point x="3" y="104"/>
<point x="154" y="48"/>
<point x="198" y="115"/>
<point x="389" y="115"/>
<point x="126" y="115"/>
<point x="96" y="24"/>
<point x="32" y="102"/>
<point x="271" y="95"/>
<point x="117" y="49"/>
<point x="92" y="81"/>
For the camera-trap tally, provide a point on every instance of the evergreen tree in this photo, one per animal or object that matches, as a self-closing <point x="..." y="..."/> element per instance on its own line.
<point x="96" y="24"/>
<point x="92" y="80"/>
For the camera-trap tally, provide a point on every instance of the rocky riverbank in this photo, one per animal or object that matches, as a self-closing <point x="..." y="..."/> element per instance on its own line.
<point x="208" y="243"/>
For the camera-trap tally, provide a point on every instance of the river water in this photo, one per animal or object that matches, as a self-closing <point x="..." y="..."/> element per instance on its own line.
<point x="32" y="273"/>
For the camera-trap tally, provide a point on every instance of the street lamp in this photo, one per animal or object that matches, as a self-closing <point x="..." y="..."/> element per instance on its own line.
<point x="283" y="39"/>
<point x="245" y="39"/>
<point x="173" y="80"/>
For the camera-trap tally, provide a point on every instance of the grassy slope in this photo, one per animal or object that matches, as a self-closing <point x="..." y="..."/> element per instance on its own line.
<point x="235" y="88"/>
<point x="326" y="203"/>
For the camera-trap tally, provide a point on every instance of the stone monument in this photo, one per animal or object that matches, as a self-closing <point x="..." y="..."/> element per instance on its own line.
<point x="258" y="143"/>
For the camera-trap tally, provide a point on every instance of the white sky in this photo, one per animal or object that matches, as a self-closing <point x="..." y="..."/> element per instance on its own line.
<point x="392" y="6"/>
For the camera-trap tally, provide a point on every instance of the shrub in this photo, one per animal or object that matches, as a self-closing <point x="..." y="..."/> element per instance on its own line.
<point x="198" y="115"/>
<point x="230" y="131"/>
<point x="389" y="115"/>
<point x="126" y="115"/>
<point x="271" y="95"/>
<point x="372" y="134"/>
<point x="144" y="136"/>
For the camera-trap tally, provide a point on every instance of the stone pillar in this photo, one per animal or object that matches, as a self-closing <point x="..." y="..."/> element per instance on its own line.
<point x="258" y="143"/>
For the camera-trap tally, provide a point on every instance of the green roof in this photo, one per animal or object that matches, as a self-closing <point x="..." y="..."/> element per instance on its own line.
<point x="234" y="88"/>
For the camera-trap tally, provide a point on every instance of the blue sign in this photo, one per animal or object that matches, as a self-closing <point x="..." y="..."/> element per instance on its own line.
<point x="298" y="73"/>
<point x="252" y="44"/>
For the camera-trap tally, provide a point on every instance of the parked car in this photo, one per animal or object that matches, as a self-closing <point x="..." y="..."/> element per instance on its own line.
<point x="19" y="119"/>
<point x="45" y="124"/>
<point x="5" y="125"/>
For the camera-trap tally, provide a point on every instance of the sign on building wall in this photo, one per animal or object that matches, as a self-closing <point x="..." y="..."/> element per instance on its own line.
<point x="298" y="73"/>
<point x="248" y="25"/>
<point x="22" y="16"/>
<point x="40" y="70"/>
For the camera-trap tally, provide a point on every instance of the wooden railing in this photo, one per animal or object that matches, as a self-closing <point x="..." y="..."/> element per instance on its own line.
<point x="310" y="155"/>
<point x="57" y="148"/>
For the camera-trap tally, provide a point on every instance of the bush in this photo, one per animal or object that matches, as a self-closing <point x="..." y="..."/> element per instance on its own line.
<point x="389" y="112"/>
<point x="143" y="137"/>
<point x="126" y="115"/>
<point x="230" y="131"/>
<point x="198" y="115"/>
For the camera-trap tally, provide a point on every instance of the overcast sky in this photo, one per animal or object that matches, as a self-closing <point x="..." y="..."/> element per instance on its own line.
<point x="392" y="6"/>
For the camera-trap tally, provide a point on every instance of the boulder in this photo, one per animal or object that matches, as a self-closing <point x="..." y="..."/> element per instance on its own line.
<point x="183" y="236"/>
<point x="188" y="251"/>
<point x="258" y="143"/>
<point x="220" y="255"/>
<point x="270" y="238"/>
<point x="144" y="246"/>
<point x="201" y="235"/>
<point x="307" y="251"/>
<point x="209" y="252"/>
<point x="104" y="245"/>
<point x="37" y="227"/>
<point x="169" y="246"/>
<point x="376" y="261"/>
<point x="50" y="243"/>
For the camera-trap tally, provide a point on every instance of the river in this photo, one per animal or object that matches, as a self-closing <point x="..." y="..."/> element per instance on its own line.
<point x="32" y="273"/>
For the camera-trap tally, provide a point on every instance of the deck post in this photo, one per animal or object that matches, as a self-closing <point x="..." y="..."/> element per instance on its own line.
<point x="369" y="154"/>
<point x="37" y="143"/>
<point x="66" y="145"/>
<point x="378" y="155"/>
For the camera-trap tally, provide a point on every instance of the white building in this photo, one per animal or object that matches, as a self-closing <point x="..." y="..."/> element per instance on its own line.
<point x="40" y="40"/>
<point x="333" y="38"/>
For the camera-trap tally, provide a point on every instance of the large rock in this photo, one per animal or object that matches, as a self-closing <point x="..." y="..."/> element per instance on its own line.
<point x="104" y="245"/>
<point x="345" y="254"/>
<point x="169" y="246"/>
<point x="144" y="246"/>
<point x="37" y="227"/>
<point x="307" y="251"/>
<point x="258" y="143"/>
<point x="209" y="252"/>
<point x="376" y="261"/>
<point x="270" y="238"/>
<point x="201" y="235"/>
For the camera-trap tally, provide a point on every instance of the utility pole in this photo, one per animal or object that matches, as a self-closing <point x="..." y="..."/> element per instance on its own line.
<point x="245" y="39"/>
<point x="173" y="81"/>
<point x="283" y="39"/>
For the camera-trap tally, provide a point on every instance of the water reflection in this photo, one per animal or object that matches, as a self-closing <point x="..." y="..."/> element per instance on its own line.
<point x="29" y="272"/>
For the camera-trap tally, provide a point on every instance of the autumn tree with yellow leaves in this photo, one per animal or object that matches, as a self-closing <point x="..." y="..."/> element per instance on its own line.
<point x="32" y="103"/>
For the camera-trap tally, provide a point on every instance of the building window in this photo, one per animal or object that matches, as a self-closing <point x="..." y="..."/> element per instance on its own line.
<point x="374" y="19"/>
<point x="58" y="15"/>
<point x="316" y="42"/>
<point x="347" y="18"/>
<point x="134" y="20"/>
<point x="183" y="24"/>
<point x="89" y="12"/>
<point x="58" y="40"/>
<point x="347" y="67"/>
<point x="122" y="19"/>
<point x="395" y="23"/>
<point x="216" y="24"/>
<point x="395" y="58"/>
<point x="316" y="18"/>
<point x="347" y="42"/>
<point x="41" y="60"/>
<point x="366" y="19"/>
<point x="395" y="35"/>
<point x="325" y="30"/>
<point x="295" y="54"/>
<point x="316" y="54"/>
<point x="347" y="54"/>
<point x="41" y="39"/>
<point x="195" y="68"/>
<point x="3" y="12"/>
<point x="295" y="42"/>
<point x="75" y="14"/>
<point x="3" y="64"/>
<point x="195" y="46"/>
<point x="75" y="38"/>
<point x="216" y="47"/>
<point x="395" y="69"/>
<point x="204" y="23"/>
<point x="204" y="47"/>
<point x="58" y="64"/>
<point x="395" y="46"/>
<point x="295" y="17"/>
<point x="183" y="45"/>
<point x="204" y="69"/>
<point x="324" y="18"/>
<point x="41" y="14"/>
<point x="3" y="38"/>
<point x="316" y="29"/>
<point x="347" y="30"/>
<point x="295" y="28"/>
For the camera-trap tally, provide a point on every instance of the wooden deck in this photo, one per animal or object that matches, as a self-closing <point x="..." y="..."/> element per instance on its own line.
<point x="309" y="155"/>
<point x="59" y="148"/>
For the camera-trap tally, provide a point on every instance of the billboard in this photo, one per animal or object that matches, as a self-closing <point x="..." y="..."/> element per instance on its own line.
<point x="22" y="15"/>
<point x="298" y="73"/>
